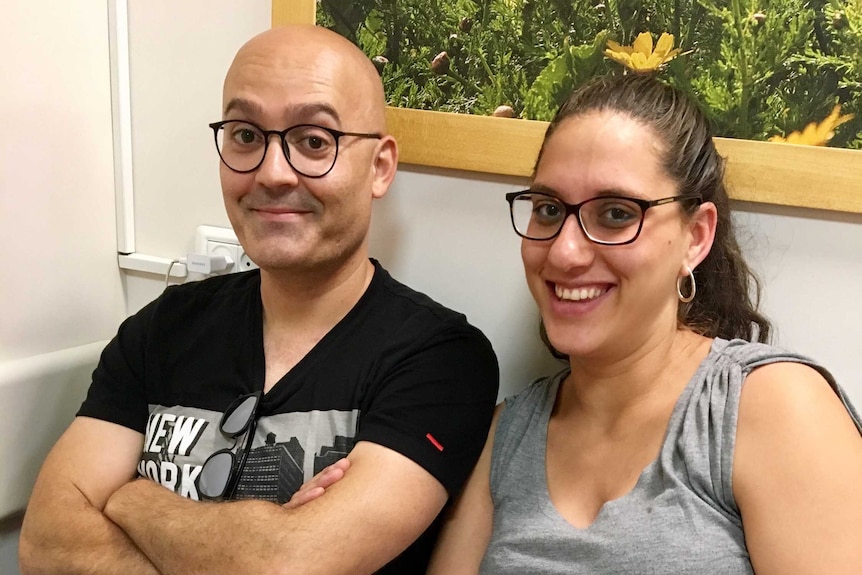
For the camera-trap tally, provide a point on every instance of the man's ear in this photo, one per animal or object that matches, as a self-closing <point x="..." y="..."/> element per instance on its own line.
<point x="385" y="166"/>
<point x="702" y="229"/>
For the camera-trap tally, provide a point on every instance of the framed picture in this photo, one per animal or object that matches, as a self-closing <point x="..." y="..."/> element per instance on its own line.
<point x="757" y="171"/>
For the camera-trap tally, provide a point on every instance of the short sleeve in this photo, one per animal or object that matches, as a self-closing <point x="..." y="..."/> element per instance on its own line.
<point x="435" y="405"/>
<point x="118" y="391"/>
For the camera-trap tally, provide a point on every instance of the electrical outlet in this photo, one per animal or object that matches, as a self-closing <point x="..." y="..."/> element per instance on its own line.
<point x="223" y="242"/>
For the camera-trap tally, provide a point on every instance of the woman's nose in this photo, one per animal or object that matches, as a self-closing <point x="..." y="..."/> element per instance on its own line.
<point x="571" y="247"/>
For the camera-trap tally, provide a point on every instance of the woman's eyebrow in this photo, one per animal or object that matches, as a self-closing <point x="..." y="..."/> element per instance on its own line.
<point x="543" y="189"/>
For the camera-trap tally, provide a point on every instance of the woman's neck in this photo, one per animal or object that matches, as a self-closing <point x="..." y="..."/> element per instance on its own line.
<point x="646" y="378"/>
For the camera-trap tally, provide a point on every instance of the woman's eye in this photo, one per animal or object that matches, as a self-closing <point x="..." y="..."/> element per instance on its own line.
<point x="617" y="215"/>
<point x="547" y="210"/>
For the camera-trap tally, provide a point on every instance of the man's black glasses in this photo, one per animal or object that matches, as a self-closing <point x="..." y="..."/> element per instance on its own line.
<point x="310" y="150"/>
<point x="221" y="471"/>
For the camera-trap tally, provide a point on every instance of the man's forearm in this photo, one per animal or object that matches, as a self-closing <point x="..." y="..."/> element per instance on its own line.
<point x="184" y="536"/>
<point x="82" y="541"/>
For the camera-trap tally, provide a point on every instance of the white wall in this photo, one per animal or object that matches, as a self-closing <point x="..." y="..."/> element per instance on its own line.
<point x="810" y="265"/>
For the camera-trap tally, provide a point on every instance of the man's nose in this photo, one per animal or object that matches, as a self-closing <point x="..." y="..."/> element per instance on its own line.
<point x="275" y="170"/>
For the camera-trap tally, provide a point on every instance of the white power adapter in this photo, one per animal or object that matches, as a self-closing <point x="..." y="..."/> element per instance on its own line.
<point x="207" y="264"/>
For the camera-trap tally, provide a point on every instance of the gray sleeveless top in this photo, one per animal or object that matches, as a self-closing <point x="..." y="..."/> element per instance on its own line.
<point x="681" y="516"/>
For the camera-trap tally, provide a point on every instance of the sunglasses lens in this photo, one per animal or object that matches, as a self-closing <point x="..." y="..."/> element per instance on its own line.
<point x="237" y="421"/>
<point x="214" y="476"/>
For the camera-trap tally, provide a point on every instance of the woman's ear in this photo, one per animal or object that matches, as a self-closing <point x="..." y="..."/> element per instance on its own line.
<point x="702" y="229"/>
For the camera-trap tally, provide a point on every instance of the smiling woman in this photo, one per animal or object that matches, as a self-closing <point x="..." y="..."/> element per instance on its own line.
<point x="673" y="424"/>
<point x="762" y="172"/>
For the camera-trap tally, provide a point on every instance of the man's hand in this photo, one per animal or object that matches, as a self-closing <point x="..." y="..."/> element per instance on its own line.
<point x="317" y="485"/>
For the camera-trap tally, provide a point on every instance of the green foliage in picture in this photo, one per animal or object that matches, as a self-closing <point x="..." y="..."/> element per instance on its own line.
<point x="760" y="69"/>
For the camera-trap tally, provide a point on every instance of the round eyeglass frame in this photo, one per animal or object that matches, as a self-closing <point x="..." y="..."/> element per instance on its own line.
<point x="575" y="210"/>
<point x="282" y="135"/>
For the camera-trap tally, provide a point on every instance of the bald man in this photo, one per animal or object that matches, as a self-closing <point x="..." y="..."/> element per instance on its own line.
<point x="314" y="416"/>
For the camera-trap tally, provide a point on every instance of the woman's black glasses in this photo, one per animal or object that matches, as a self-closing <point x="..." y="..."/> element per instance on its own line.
<point x="605" y="220"/>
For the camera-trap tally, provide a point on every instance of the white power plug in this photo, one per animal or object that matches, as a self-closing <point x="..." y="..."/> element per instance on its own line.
<point x="208" y="264"/>
<point x="213" y="240"/>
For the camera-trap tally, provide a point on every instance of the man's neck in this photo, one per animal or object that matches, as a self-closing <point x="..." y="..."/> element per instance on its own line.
<point x="298" y="311"/>
<point x="307" y="299"/>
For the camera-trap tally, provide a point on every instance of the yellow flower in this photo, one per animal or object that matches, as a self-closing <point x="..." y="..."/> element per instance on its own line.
<point x="640" y="56"/>
<point x="816" y="134"/>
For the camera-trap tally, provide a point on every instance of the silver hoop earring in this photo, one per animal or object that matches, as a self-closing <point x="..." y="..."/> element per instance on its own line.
<point x="690" y="296"/>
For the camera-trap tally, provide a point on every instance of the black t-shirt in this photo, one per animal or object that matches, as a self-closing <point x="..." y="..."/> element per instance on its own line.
<point x="399" y="370"/>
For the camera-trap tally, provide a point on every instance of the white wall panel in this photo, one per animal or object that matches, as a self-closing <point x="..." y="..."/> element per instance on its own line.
<point x="60" y="282"/>
<point x="39" y="397"/>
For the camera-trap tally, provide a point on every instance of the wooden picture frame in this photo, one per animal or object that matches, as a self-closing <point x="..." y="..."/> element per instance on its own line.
<point x="761" y="172"/>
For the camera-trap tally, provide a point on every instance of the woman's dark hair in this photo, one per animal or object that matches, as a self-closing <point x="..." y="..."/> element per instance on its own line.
<point x="728" y="292"/>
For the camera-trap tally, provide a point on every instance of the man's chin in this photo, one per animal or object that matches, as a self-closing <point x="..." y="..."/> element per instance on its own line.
<point x="274" y="262"/>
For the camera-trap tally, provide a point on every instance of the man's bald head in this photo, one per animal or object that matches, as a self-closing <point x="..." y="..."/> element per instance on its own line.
<point x="308" y="84"/>
<point x="320" y="56"/>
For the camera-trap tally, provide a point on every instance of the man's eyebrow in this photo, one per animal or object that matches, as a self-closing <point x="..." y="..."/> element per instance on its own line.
<point x="315" y="108"/>
<point x="244" y="106"/>
<point x="306" y="110"/>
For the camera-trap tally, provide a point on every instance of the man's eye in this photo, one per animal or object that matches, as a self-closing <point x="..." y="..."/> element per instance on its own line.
<point x="311" y="139"/>
<point x="314" y="142"/>
<point x="245" y="136"/>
